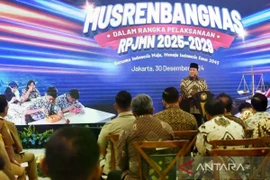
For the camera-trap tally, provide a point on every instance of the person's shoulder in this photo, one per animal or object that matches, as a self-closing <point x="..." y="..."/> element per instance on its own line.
<point x="200" y="79"/>
<point x="160" y="113"/>
<point x="61" y="96"/>
<point x="186" y="78"/>
<point x="185" y="113"/>
<point x="9" y="123"/>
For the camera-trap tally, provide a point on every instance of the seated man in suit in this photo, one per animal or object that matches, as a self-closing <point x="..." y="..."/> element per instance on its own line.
<point x="72" y="153"/>
<point x="6" y="162"/>
<point x="8" y="141"/>
<point x="3" y="176"/>
<point x="21" y="156"/>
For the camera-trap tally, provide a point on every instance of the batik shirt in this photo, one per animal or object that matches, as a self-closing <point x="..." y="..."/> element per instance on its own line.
<point x="218" y="128"/>
<point x="263" y="128"/>
<point x="253" y="121"/>
<point x="43" y="103"/>
<point x="247" y="113"/>
<point x="144" y="128"/>
<point x="32" y="95"/>
<point x="63" y="103"/>
<point x="177" y="118"/>
<point x="190" y="86"/>
<point x="235" y="119"/>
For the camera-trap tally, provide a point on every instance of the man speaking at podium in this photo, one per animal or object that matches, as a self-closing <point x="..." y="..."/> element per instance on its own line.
<point x="189" y="87"/>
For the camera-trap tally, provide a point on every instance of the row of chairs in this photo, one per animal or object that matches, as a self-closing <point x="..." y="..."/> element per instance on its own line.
<point x="183" y="148"/>
<point x="256" y="147"/>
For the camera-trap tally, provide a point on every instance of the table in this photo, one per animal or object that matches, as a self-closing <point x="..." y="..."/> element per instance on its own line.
<point x="16" y="114"/>
<point x="91" y="116"/>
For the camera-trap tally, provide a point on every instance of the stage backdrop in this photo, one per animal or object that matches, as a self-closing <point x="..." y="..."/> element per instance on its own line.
<point x="101" y="47"/>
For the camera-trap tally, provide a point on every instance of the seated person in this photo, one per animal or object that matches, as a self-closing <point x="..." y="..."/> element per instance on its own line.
<point x="245" y="110"/>
<point x="228" y="103"/>
<point x="10" y="92"/>
<point x="259" y="105"/>
<point x="6" y="166"/>
<point x="263" y="128"/>
<point x="3" y="176"/>
<point x="69" y="101"/>
<point x="218" y="127"/>
<point x="145" y="128"/>
<point x="173" y="115"/>
<point x="44" y="107"/>
<point x="30" y="92"/>
<point x="21" y="156"/>
<point x="72" y="153"/>
<point x="8" y="143"/>
<point x="115" y="126"/>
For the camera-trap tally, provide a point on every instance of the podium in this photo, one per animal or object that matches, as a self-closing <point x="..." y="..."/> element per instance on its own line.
<point x="198" y="100"/>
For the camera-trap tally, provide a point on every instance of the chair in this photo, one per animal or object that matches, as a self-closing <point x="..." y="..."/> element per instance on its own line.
<point x="248" y="133"/>
<point x="141" y="146"/>
<point x="265" y="141"/>
<point x="113" y="138"/>
<point x="249" y="152"/>
<point x="187" y="135"/>
<point x="236" y="142"/>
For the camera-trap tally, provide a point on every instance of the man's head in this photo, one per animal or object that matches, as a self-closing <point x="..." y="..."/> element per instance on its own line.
<point x="14" y="86"/>
<point x="72" y="153"/>
<point x="259" y="102"/>
<point x="170" y="96"/>
<point x="73" y="95"/>
<point x="51" y="94"/>
<point x="244" y="106"/>
<point x="193" y="70"/>
<point x="122" y="101"/>
<point x="3" y="105"/>
<point x="227" y="101"/>
<point x="213" y="108"/>
<point x="142" y="104"/>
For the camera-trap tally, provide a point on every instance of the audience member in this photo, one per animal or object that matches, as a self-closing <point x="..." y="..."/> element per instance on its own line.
<point x="72" y="153"/>
<point x="259" y="105"/>
<point x="43" y="107"/>
<point x="69" y="102"/>
<point x="5" y="171"/>
<point x="246" y="111"/>
<point x="30" y="92"/>
<point x="10" y="92"/>
<point x="124" y="118"/>
<point x="145" y="128"/>
<point x="228" y="104"/>
<point x="218" y="127"/>
<point x="263" y="128"/>
<point x="21" y="156"/>
<point x="3" y="176"/>
<point x="173" y="115"/>
<point x="8" y="141"/>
